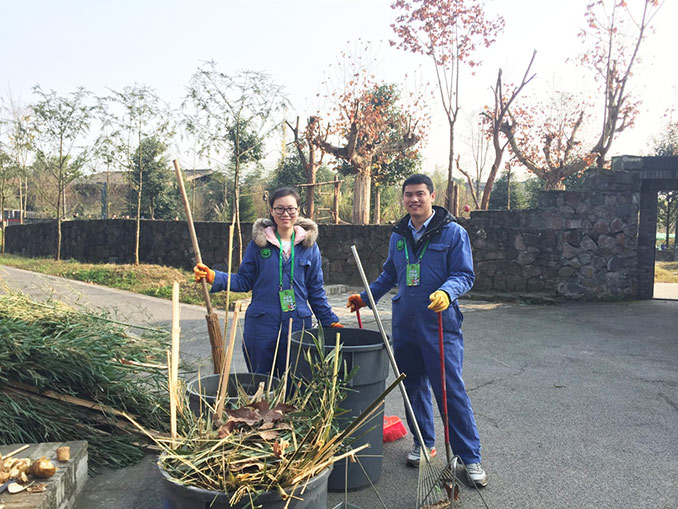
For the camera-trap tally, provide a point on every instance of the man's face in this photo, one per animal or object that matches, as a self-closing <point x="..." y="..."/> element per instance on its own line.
<point x="418" y="201"/>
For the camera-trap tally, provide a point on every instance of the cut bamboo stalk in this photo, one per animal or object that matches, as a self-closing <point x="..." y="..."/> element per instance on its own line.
<point x="126" y="362"/>
<point x="228" y="283"/>
<point x="33" y="393"/>
<point x="335" y="368"/>
<point x="17" y="451"/>
<point x="66" y="398"/>
<point x="275" y="360"/>
<point x="174" y="371"/>
<point x="170" y="388"/>
<point x="213" y="328"/>
<point x="287" y="360"/>
<point x="226" y="371"/>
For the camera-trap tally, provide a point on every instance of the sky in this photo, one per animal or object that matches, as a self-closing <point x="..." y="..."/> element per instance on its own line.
<point x="109" y="45"/>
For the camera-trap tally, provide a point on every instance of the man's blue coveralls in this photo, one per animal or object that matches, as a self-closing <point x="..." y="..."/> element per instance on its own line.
<point x="259" y="272"/>
<point x="447" y="265"/>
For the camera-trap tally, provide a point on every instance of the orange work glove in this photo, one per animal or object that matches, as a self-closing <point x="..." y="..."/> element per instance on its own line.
<point x="355" y="302"/>
<point x="336" y="325"/>
<point x="440" y="301"/>
<point x="203" y="271"/>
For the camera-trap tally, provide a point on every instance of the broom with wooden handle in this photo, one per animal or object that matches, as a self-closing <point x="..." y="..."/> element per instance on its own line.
<point x="213" y="328"/>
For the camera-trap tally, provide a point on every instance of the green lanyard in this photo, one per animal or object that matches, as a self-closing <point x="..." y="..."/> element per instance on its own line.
<point x="407" y="256"/>
<point x="291" y="259"/>
<point x="413" y="270"/>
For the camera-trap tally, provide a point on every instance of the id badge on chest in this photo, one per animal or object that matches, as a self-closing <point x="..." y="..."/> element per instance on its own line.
<point x="287" y="301"/>
<point x="413" y="274"/>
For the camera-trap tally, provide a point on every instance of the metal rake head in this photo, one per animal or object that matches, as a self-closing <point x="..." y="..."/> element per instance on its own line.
<point x="438" y="486"/>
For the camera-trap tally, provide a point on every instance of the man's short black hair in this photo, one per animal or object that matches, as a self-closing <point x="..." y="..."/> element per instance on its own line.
<point x="416" y="179"/>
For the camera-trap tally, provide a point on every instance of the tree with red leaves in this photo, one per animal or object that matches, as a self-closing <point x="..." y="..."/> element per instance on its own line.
<point x="548" y="143"/>
<point x="450" y="32"/>
<point x="547" y="138"/>
<point x="372" y="121"/>
<point x="616" y="34"/>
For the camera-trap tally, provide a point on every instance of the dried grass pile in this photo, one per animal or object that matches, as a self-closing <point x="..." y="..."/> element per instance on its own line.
<point x="69" y="375"/>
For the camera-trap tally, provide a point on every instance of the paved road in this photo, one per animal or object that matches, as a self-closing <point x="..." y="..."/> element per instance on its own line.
<point x="577" y="404"/>
<point x="666" y="290"/>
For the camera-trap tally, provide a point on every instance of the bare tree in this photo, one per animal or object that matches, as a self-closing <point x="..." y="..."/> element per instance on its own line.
<point x="479" y="143"/>
<point x="615" y="34"/>
<point x="59" y="123"/>
<point x="233" y="116"/>
<point x="19" y="148"/>
<point x="143" y="116"/>
<point x="450" y="32"/>
<point x="6" y="174"/>
<point x="494" y="118"/>
<point x="310" y="155"/>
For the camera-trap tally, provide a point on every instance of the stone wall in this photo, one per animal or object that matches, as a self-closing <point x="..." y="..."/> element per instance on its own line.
<point x="596" y="244"/>
<point x="168" y="243"/>
<point x="577" y="245"/>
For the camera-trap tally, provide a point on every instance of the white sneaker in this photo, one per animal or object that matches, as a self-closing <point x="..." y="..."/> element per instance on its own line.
<point x="414" y="457"/>
<point x="476" y="475"/>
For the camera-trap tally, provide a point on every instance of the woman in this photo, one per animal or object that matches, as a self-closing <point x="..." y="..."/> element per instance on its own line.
<point x="282" y="267"/>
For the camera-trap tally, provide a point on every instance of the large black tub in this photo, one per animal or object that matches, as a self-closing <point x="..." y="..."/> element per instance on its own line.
<point x="180" y="496"/>
<point x="204" y="389"/>
<point x="365" y="349"/>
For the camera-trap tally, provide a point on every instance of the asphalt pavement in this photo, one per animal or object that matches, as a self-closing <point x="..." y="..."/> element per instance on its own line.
<point x="576" y="403"/>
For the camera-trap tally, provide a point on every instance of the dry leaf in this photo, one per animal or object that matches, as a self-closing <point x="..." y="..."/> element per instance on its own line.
<point x="268" y="435"/>
<point x="37" y="488"/>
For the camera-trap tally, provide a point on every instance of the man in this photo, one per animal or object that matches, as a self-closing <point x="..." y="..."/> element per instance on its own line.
<point x="429" y="259"/>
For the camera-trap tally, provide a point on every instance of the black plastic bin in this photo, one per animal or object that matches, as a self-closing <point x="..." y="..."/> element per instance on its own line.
<point x="204" y="389"/>
<point x="365" y="349"/>
<point x="180" y="496"/>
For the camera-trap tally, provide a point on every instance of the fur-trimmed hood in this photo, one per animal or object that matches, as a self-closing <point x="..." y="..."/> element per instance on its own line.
<point x="304" y="226"/>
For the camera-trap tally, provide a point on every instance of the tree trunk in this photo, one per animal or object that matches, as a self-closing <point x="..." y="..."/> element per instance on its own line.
<point x="24" y="207"/>
<point x="108" y="187"/>
<point x="675" y="233"/>
<point x="60" y="183"/>
<point x="236" y="207"/>
<point x="311" y="171"/>
<point x="377" y="205"/>
<point x="449" y="192"/>
<point x="508" y="190"/>
<point x="455" y="199"/>
<point x="361" y="197"/>
<point x="58" y="251"/>
<point x="668" y="220"/>
<point x="136" y="241"/>
<point x="141" y="183"/>
<point x="553" y="183"/>
<point x="335" y="202"/>
<point x="21" y="202"/>
<point x="2" y="214"/>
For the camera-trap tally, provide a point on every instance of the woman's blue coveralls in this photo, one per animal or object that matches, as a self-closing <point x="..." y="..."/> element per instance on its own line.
<point x="259" y="272"/>
<point x="447" y="265"/>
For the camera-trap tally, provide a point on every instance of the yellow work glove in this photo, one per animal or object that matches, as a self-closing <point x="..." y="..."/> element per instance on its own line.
<point x="355" y="302"/>
<point x="203" y="271"/>
<point x="336" y="325"/>
<point x="440" y="301"/>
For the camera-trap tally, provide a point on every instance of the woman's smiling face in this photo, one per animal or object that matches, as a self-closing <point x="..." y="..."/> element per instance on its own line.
<point x="289" y="207"/>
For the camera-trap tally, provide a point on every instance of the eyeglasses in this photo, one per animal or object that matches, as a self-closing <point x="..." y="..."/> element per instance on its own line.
<point x="279" y="211"/>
